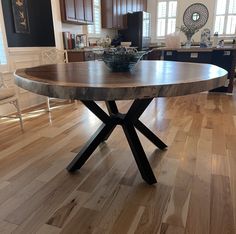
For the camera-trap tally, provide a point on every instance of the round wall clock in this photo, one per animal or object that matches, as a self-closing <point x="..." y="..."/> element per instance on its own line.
<point x="195" y="16"/>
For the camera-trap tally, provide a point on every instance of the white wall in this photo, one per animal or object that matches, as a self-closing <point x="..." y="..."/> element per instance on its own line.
<point x="182" y="6"/>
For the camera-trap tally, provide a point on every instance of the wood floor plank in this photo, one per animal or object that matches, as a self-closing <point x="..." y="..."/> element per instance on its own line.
<point x="68" y="209"/>
<point x="126" y="217"/>
<point x="219" y="138"/>
<point x="150" y="220"/>
<point x="232" y="177"/>
<point x="7" y="228"/>
<point x="108" y="184"/>
<point x="168" y="171"/>
<point x="169" y="229"/>
<point x="19" y="198"/>
<point x="198" y="221"/>
<point x="112" y="208"/>
<point x="222" y="218"/>
<point x="196" y="189"/>
<point x="40" y="216"/>
<point x="47" y="229"/>
<point x="177" y="211"/>
<point x="220" y="165"/>
<point x="83" y="222"/>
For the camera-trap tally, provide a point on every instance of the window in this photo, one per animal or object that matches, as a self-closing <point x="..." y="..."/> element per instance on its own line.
<point x="95" y="29"/>
<point x="225" y="20"/>
<point x="146" y="24"/>
<point x="3" y="59"/>
<point x="166" y="17"/>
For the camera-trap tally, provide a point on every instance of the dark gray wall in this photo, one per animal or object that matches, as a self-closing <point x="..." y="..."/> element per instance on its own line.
<point x="40" y="24"/>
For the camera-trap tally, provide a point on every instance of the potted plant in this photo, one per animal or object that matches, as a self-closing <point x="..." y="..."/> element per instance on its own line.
<point x="188" y="32"/>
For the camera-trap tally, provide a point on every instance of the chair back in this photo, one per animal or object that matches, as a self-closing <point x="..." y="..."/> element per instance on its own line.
<point x="2" y="84"/>
<point x="52" y="56"/>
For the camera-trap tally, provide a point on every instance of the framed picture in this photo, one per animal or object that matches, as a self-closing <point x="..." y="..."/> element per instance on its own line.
<point x="20" y="15"/>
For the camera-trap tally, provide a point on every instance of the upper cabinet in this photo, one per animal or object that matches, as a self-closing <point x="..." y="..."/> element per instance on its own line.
<point x="114" y="12"/>
<point x="77" y="11"/>
<point x="88" y="11"/>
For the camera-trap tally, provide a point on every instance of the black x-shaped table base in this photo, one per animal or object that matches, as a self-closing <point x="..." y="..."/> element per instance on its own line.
<point x="129" y="122"/>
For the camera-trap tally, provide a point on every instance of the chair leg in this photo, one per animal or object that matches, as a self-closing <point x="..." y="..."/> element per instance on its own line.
<point x="19" y="114"/>
<point x="48" y="104"/>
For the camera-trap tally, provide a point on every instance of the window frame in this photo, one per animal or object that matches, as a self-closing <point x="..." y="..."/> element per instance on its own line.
<point x="166" y="17"/>
<point x="226" y="15"/>
<point x="93" y="33"/>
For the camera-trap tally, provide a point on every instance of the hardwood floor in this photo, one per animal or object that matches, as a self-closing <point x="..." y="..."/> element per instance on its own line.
<point x="196" y="189"/>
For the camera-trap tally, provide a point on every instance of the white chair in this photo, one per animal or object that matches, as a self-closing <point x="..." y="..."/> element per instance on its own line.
<point x="53" y="56"/>
<point x="8" y="96"/>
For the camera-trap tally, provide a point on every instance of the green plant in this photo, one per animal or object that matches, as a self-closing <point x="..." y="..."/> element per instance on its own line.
<point x="189" y="32"/>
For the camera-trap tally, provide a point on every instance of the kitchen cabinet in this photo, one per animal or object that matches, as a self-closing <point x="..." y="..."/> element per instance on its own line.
<point x="88" y="10"/>
<point x="140" y="5"/>
<point x="114" y="12"/>
<point x="81" y="56"/>
<point x="120" y="14"/>
<point x="77" y="11"/>
<point x="107" y="13"/>
<point x="68" y="10"/>
<point x="143" y="5"/>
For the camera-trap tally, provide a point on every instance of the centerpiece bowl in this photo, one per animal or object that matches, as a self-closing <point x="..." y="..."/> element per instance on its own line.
<point x="121" y="59"/>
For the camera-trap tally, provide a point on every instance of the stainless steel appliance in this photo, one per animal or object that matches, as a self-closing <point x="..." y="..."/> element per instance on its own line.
<point x="138" y="29"/>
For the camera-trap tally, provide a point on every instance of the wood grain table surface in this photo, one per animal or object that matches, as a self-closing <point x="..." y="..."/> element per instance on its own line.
<point x="94" y="81"/>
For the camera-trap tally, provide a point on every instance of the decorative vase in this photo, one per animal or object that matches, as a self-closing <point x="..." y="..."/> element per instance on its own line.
<point x="189" y="41"/>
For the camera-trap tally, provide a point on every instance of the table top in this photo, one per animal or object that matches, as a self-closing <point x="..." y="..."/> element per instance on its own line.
<point x="94" y="81"/>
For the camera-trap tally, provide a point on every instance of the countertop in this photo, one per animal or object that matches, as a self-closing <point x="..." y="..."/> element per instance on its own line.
<point x="197" y="48"/>
<point x="86" y="49"/>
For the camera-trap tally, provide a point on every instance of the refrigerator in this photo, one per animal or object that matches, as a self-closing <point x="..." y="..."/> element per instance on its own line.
<point x="138" y="30"/>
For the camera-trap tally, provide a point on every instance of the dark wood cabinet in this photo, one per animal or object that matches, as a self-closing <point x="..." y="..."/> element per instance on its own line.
<point x="123" y="13"/>
<point x="114" y="12"/>
<point x="75" y="56"/>
<point x="81" y="56"/>
<point x="141" y="5"/>
<point x="120" y="21"/>
<point x="144" y="5"/>
<point x="107" y="13"/>
<point x="77" y="11"/>
<point x="69" y="10"/>
<point x="88" y="10"/>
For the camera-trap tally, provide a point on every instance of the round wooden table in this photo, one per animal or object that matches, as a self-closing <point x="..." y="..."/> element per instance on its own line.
<point x="92" y="81"/>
